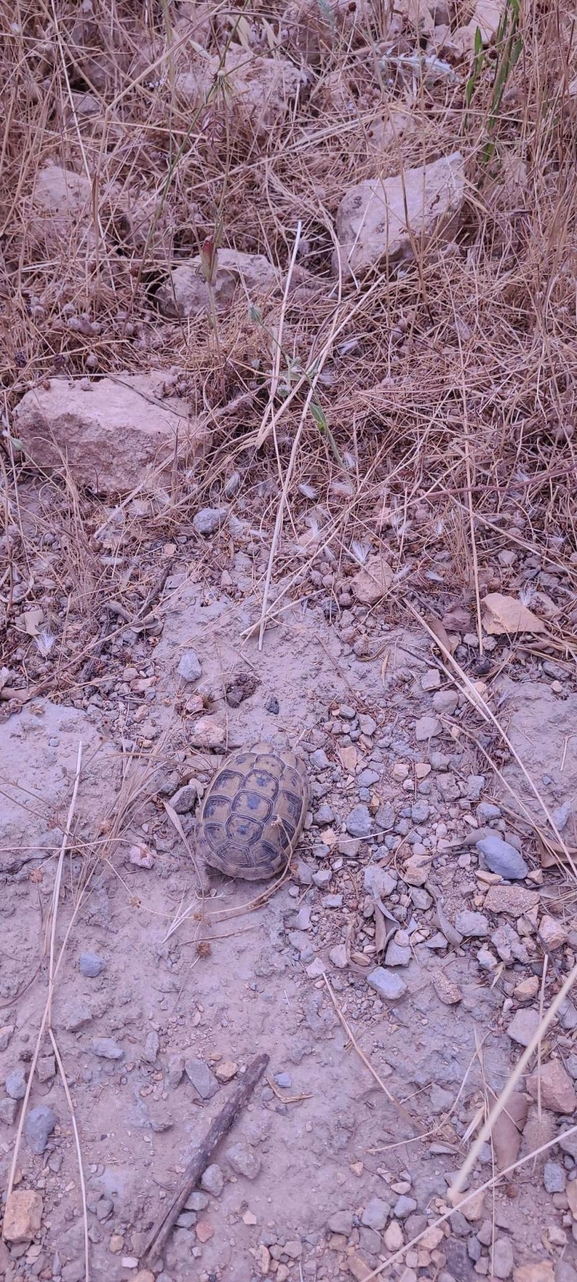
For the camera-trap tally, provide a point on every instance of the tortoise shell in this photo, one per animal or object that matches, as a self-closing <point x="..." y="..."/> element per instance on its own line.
<point x="252" y="813"/>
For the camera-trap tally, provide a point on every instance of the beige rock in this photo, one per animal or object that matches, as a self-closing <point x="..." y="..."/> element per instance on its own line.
<point x="143" y="1275"/>
<point x="415" y="873"/>
<point x="472" y="1208"/>
<point x="259" y="91"/>
<point x="447" y="991"/>
<point x="557" y="1090"/>
<point x="62" y="209"/>
<point x="373" y="581"/>
<point x="527" y="989"/>
<point x="513" y="900"/>
<point x="358" y="1268"/>
<point x="109" y="434"/>
<point x="186" y="293"/>
<point x="552" y="932"/>
<point x="23" y="1216"/>
<point x="226" y="1071"/>
<point x="383" y="219"/>
<point x="393" y="1237"/>
<point x="508" y="1130"/>
<point x="207" y="732"/>
<point x="539" y="1129"/>
<point x="541" y="1271"/>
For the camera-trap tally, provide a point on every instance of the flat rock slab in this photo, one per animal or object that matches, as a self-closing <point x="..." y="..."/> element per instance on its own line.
<point x="107" y="433"/>
<point x="391" y="218"/>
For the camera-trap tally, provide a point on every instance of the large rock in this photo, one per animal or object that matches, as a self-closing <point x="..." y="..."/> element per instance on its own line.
<point x="62" y="212"/>
<point x="386" y="219"/>
<point x="259" y="90"/>
<point x="23" y="1216"/>
<point x="107" y="434"/>
<point x="185" y="293"/>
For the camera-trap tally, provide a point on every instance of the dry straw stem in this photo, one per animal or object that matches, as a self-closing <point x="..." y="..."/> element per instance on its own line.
<point x="366" y="1061"/>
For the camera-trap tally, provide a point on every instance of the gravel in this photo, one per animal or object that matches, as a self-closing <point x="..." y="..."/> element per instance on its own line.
<point x="90" y="965"/>
<point x="38" y="1127"/>
<point x="189" y="667"/>
<point x="502" y="858"/>
<point x="243" y="1160"/>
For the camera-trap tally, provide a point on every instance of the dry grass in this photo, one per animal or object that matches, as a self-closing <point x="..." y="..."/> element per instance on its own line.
<point x="447" y="386"/>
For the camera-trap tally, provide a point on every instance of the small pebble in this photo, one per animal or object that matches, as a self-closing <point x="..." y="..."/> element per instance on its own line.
<point x="209" y="519"/>
<point x="554" y="1177"/>
<point x="388" y="985"/>
<point x="283" y="1079"/>
<point x="16" y="1084"/>
<point x="358" y="822"/>
<point x="471" y="925"/>
<point x="212" y="1180"/>
<point x="106" y="1048"/>
<point x="502" y="858"/>
<point x="38" y="1127"/>
<point x="189" y="667"/>
<point x="90" y="965"/>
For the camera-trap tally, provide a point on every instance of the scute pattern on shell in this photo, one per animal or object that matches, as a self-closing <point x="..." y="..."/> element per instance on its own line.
<point x="253" y="812"/>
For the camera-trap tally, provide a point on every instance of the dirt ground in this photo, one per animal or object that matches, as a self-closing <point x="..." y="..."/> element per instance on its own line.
<point x="287" y="454"/>
<point x="323" y="1174"/>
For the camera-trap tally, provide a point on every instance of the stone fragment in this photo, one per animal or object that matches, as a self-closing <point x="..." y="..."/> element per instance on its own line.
<point x="207" y="732"/>
<point x="383" y="219"/>
<point x="471" y="925"/>
<point x="208" y="521"/>
<point x="427" y="728"/>
<point x="108" y="436"/>
<point x="501" y="857"/>
<point x="389" y="986"/>
<point x="90" y="965"/>
<point x="502" y="1258"/>
<point x="23" y="1216"/>
<point x="557" y="1090"/>
<point x="212" y="1180"/>
<point x="189" y="667"/>
<point x="512" y="900"/>
<point x="376" y="1214"/>
<point x="106" y="1048"/>
<point x="203" y="1080"/>
<point x="225" y="1071"/>
<point x="552" y="933"/>
<point x="540" y="1271"/>
<point x="260" y="90"/>
<point x="523" y="1026"/>
<point x="358" y="822"/>
<point x="243" y="1160"/>
<point x="373" y="581"/>
<point x="341" y="1222"/>
<point x="16" y="1084"/>
<point x="38" y="1127"/>
<point x="445" y="702"/>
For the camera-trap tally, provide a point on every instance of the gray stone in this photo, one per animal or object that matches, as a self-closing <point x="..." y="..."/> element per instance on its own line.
<point x="358" y="822"/>
<point x="475" y="785"/>
<point x="324" y="815"/>
<point x="341" y="1222"/>
<point x="304" y="873"/>
<point x="38" y="1127"/>
<point x="554" y="1177"/>
<point x="564" y="1272"/>
<point x="184" y="799"/>
<point x="332" y="901"/>
<point x="8" y="1111"/>
<point x="204" y="1082"/>
<point x="471" y="925"/>
<point x="487" y="811"/>
<point x="243" y="1160"/>
<point x="319" y="759"/>
<point x="106" y="1048"/>
<point x="186" y="1220"/>
<point x="441" y="1100"/>
<point x="90" y="965"/>
<point x="420" y="812"/>
<point x="404" y="1206"/>
<point x="370" y="1240"/>
<point x="367" y="778"/>
<point x="445" y="701"/>
<point x="378" y="881"/>
<point x="389" y="986"/>
<point x="459" y="1225"/>
<point x="376" y="1214"/>
<point x="284" y="1080"/>
<point x="427" y="728"/>
<point x="6" y="1034"/>
<point x="385" y="817"/>
<point x="367" y="724"/>
<point x="212" y="1180"/>
<point x="502" y="858"/>
<point x="197" y="1201"/>
<point x="149" y="1054"/>
<point x="189" y="667"/>
<point x="431" y="679"/>
<point x="397" y="954"/>
<point x="420" y="898"/>
<point x="209" y="519"/>
<point x="524" y="1025"/>
<point x="16" y="1084"/>
<point x="503" y="1259"/>
<point x="322" y="878"/>
<point x="571" y="1065"/>
<point x="174" y="1071"/>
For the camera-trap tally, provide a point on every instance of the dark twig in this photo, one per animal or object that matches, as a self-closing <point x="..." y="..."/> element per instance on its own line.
<point x="216" y="1132"/>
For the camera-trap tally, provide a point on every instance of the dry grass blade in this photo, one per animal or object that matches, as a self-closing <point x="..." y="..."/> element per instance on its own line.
<point x="366" y="1061"/>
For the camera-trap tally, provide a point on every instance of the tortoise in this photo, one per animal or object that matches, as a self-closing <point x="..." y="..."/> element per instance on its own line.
<point x="253" y="812"/>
